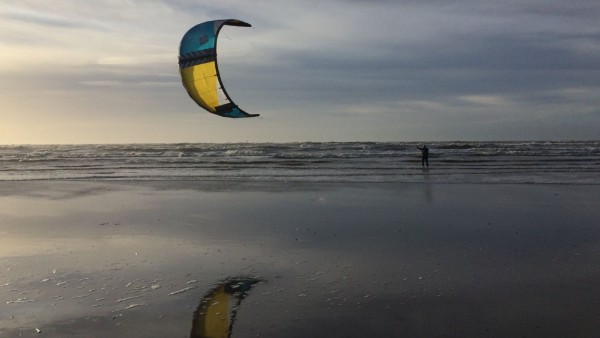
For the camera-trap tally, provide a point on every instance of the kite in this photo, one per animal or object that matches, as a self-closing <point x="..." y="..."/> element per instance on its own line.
<point x="215" y="315"/>
<point x="199" y="70"/>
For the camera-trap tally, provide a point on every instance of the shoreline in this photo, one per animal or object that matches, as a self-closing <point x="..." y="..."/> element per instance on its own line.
<point x="344" y="163"/>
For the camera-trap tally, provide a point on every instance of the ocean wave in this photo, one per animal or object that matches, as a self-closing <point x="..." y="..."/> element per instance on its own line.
<point x="515" y="162"/>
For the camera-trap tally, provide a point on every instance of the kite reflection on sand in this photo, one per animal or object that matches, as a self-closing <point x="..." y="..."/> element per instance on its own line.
<point x="215" y="315"/>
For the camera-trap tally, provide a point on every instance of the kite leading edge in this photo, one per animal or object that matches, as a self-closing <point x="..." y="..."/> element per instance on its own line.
<point x="199" y="70"/>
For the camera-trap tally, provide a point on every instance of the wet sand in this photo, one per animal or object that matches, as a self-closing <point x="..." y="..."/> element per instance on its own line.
<point x="122" y="259"/>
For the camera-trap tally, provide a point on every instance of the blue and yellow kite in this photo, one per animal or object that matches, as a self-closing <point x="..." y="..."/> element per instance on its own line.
<point x="199" y="70"/>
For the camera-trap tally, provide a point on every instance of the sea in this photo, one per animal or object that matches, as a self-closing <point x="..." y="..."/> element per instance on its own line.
<point x="539" y="162"/>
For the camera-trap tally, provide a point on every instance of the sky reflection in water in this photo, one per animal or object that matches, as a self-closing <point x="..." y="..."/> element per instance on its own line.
<point x="135" y="260"/>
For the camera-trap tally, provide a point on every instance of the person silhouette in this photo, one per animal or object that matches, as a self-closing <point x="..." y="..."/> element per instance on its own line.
<point x="424" y="155"/>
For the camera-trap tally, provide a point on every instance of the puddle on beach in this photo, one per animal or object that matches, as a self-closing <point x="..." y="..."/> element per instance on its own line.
<point x="135" y="261"/>
<point x="128" y="292"/>
<point x="141" y="260"/>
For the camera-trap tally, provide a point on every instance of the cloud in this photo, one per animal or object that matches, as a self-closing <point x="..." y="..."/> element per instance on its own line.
<point x="39" y="18"/>
<point x="486" y="100"/>
<point x="135" y="60"/>
<point x="416" y="61"/>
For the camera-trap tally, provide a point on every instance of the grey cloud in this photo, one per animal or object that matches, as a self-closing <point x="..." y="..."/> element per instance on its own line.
<point x="313" y="55"/>
<point x="41" y="19"/>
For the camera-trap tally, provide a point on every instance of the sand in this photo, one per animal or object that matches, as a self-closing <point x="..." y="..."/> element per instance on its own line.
<point x="134" y="259"/>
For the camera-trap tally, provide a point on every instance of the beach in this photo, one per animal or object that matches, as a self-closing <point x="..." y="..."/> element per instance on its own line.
<point x="134" y="259"/>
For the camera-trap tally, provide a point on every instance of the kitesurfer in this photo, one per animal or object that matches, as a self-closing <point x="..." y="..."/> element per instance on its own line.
<point x="424" y="155"/>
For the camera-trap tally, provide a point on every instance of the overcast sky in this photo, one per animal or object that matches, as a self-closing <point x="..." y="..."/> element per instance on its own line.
<point x="105" y="71"/>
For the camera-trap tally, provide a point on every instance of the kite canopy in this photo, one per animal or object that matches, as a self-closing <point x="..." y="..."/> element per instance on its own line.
<point x="199" y="70"/>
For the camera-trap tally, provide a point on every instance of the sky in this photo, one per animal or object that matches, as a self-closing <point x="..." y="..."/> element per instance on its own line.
<point x="105" y="71"/>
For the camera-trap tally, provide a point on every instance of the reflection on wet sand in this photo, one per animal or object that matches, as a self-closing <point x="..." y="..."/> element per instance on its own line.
<point x="215" y="315"/>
